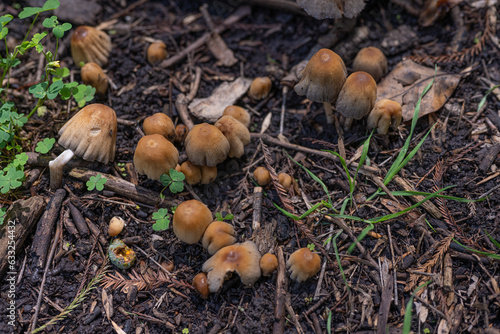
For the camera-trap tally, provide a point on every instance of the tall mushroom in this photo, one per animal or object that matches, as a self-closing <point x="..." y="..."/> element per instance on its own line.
<point x="89" y="44"/>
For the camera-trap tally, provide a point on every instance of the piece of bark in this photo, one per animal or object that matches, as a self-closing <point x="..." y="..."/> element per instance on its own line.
<point x="96" y="232"/>
<point x="19" y="220"/>
<point x="281" y="288"/>
<point x="69" y="225"/>
<point x="490" y="157"/>
<point x="387" y="295"/>
<point x="78" y="219"/>
<point x="43" y="234"/>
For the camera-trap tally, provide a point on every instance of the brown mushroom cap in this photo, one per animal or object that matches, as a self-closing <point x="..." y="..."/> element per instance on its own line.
<point x="116" y="225"/>
<point x="239" y="113"/>
<point x="92" y="74"/>
<point x="323" y="77"/>
<point x="157" y="51"/>
<point x="208" y="174"/>
<point x="236" y="133"/>
<point x="201" y="285"/>
<point x="371" y="60"/>
<point x="217" y="235"/>
<point x="268" y="264"/>
<point x="181" y="132"/>
<point x="190" y="221"/>
<point x="260" y="88"/>
<point x="89" y="44"/>
<point x="240" y="258"/>
<point x="262" y="176"/>
<point x="384" y="113"/>
<point x="91" y="133"/>
<point x="357" y="96"/>
<point x="206" y="145"/>
<point x="303" y="264"/>
<point x="155" y="156"/>
<point x="191" y="171"/>
<point x="161" y="124"/>
<point x="285" y="180"/>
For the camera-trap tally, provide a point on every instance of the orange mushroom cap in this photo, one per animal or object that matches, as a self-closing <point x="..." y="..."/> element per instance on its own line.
<point x="239" y="113"/>
<point x="236" y="134"/>
<point x="384" y="113"/>
<point x="190" y="221"/>
<point x="262" y="176"/>
<point x="208" y="174"/>
<point x="89" y="44"/>
<point x="191" y="171"/>
<point x="372" y="61"/>
<point x="92" y="74"/>
<point x="285" y="180"/>
<point x="155" y="156"/>
<point x="268" y="264"/>
<point x="156" y="52"/>
<point x="201" y="285"/>
<point x="303" y="264"/>
<point x="260" y="88"/>
<point x="206" y="145"/>
<point x="161" y="124"/>
<point x="357" y="96"/>
<point x="217" y="235"/>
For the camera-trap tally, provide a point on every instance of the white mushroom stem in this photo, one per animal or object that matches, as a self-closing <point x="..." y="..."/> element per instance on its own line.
<point x="328" y="112"/>
<point x="56" y="168"/>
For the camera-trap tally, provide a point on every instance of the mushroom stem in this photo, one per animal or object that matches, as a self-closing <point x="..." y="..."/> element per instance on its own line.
<point x="56" y="168"/>
<point x="328" y="112"/>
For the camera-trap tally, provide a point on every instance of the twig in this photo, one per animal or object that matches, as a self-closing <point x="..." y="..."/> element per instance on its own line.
<point x="257" y="208"/>
<point x="393" y="266"/>
<point x="281" y="288"/>
<point x="323" y="268"/>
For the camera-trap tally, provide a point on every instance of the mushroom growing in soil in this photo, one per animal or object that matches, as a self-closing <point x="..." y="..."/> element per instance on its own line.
<point x="384" y="114"/>
<point x="201" y="285"/>
<point x="239" y="113"/>
<point x="260" y="88"/>
<point x="208" y="174"/>
<point x="157" y="51"/>
<point x="191" y="171"/>
<point x="322" y="80"/>
<point x="155" y="156"/>
<point x="236" y="134"/>
<point x="285" y="180"/>
<point x="268" y="263"/>
<point x="92" y="74"/>
<point x="240" y="258"/>
<point x="206" y="145"/>
<point x="303" y="264"/>
<point x="90" y="134"/>
<point x="262" y="176"/>
<point x="89" y="44"/>
<point x="161" y="124"/>
<point x="190" y="221"/>
<point x="217" y="235"/>
<point x="116" y="225"/>
<point x="371" y="60"/>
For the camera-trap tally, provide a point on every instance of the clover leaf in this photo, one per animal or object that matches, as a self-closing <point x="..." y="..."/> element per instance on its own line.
<point x="45" y="145"/>
<point x="162" y="220"/>
<point x="96" y="182"/>
<point x="173" y="181"/>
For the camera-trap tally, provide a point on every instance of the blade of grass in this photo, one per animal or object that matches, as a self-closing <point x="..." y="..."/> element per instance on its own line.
<point x="409" y="305"/>
<point x="337" y="256"/>
<point x="415" y="193"/>
<point x="490" y="255"/>
<point x="360" y="237"/>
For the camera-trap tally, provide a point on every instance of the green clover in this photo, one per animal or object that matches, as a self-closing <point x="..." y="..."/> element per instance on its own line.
<point x="45" y="145"/>
<point x="162" y="220"/>
<point x="174" y="181"/>
<point x="96" y="182"/>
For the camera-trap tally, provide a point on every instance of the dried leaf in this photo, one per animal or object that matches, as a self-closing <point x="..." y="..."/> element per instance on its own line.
<point x="221" y="51"/>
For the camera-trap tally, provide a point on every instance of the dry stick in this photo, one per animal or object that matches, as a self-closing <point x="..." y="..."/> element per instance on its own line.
<point x="393" y="266"/>
<point x="257" y="208"/>
<point x="128" y="9"/>
<point x="323" y="268"/>
<point x="78" y="219"/>
<point x="283" y="107"/>
<point x="281" y="288"/>
<point x="182" y="101"/>
<point x="292" y="314"/>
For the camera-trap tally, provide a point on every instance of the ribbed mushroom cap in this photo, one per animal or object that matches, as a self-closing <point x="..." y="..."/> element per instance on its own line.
<point x="157" y="51"/>
<point x="372" y="61"/>
<point x="89" y="44"/>
<point x="92" y="74"/>
<point x="240" y="258"/>
<point x="206" y="145"/>
<point x="91" y="133"/>
<point x="191" y="171"/>
<point x="303" y="264"/>
<point x="236" y="133"/>
<point x="384" y="113"/>
<point x="239" y="113"/>
<point x="190" y="221"/>
<point x="161" y="124"/>
<point x="217" y="235"/>
<point x="155" y="156"/>
<point x="357" y="96"/>
<point x="333" y="9"/>
<point x="268" y="264"/>
<point x="323" y="77"/>
<point x="260" y="88"/>
<point x="208" y="174"/>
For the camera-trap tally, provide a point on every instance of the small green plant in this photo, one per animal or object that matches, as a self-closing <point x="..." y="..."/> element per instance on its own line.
<point x="96" y="182"/>
<point x="3" y="212"/>
<point x="174" y="181"/>
<point x="218" y="216"/>
<point x="185" y="331"/>
<point x="162" y="220"/>
<point x="308" y="300"/>
<point x="45" y="145"/>
<point x="311" y="247"/>
<point x="409" y="305"/>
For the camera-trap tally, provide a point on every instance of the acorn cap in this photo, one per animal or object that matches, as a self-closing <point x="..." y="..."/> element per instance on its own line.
<point x="89" y="44"/>
<point x="268" y="264"/>
<point x="240" y="258"/>
<point x="262" y="176"/>
<point x="357" y="96"/>
<point x="236" y="134"/>
<point x="303" y="264"/>
<point x="91" y="133"/>
<point x="156" y="52"/>
<point x="260" y="88"/>
<point x="206" y="145"/>
<point x="190" y="221"/>
<point x="384" y="113"/>
<point x="161" y="124"/>
<point x="372" y="61"/>
<point x="239" y="113"/>
<point x="92" y="74"/>
<point x="323" y="77"/>
<point x="217" y="235"/>
<point x="201" y="285"/>
<point x="208" y="174"/>
<point x="155" y="156"/>
<point x="191" y="171"/>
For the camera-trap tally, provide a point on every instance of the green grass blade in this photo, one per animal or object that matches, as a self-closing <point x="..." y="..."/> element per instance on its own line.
<point x="360" y="237"/>
<point x="337" y="256"/>
<point x="496" y="243"/>
<point x="483" y="100"/>
<point x="409" y="305"/>
<point x="416" y="193"/>
<point x="364" y="154"/>
<point x="344" y="165"/>
<point x="490" y="255"/>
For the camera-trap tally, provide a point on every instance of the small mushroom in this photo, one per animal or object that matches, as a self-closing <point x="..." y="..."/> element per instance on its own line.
<point x="157" y="52"/>
<point x="161" y="124"/>
<point x="262" y="176"/>
<point x="155" y="156"/>
<point x="208" y="174"/>
<point x="239" y="113"/>
<point x="303" y="264"/>
<point x="285" y="180"/>
<point x="191" y="171"/>
<point x="384" y="114"/>
<point x="116" y="225"/>
<point x="260" y="88"/>
<point x="89" y="44"/>
<point x="201" y="285"/>
<point x="121" y="255"/>
<point x="92" y="74"/>
<point x="217" y="235"/>
<point x="268" y="264"/>
<point x="372" y="61"/>
<point x="190" y="221"/>
<point x="206" y="145"/>
<point x="240" y="258"/>
<point x="181" y="132"/>
<point x="236" y="134"/>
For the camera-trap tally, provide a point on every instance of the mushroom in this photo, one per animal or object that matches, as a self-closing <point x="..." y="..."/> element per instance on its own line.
<point x="206" y="145"/>
<point x="240" y="258"/>
<point x="155" y="156"/>
<point x="260" y="88"/>
<point x="239" y="113"/>
<point x="303" y="264"/>
<point x="322" y="80"/>
<point x="191" y="171"/>
<point x="92" y="74"/>
<point x="116" y="225"/>
<point x="332" y="9"/>
<point x="236" y="134"/>
<point x="285" y="180"/>
<point x="181" y="132"/>
<point x="201" y="285"/>
<point x="217" y="235"/>
<point x="268" y="263"/>
<point x="357" y="96"/>
<point x="90" y="134"/>
<point x="371" y="60"/>
<point x="262" y="176"/>
<point x="208" y="174"/>
<point x="89" y="44"/>
<point x="161" y="124"/>
<point x="384" y="113"/>
<point x="157" y="51"/>
<point x="190" y="221"/>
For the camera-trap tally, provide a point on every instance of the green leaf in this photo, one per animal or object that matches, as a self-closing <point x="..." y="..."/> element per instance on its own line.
<point x="4" y="32"/>
<point x="218" y="217"/>
<point x="38" y="90"/>
<point x="30" y="11"/>
<point x="37" y="38"/>
<point x="3" y="212"/>
<point x="59" y="30"/>
<point x="162" y="220"/>
<point x="4" y="19"/>
<point x="50" y="22"/>
<point x="176" y="176"/>
<point x="96" y="182"/>
<point x="11" y="180"/>
<point x="176" y="187"/>
<point x="54" y="89"/>
<point x="45" y="146"/>
<point x="20" y="160"/>
<point x="165" y="180"/>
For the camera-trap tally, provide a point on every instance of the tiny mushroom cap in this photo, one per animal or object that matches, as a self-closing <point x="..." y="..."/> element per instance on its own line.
<point x="161" y="124"/>
<point x="262" y="176"/>
<point x="157" y="51"/>
<point x="206" y="145"/>
<point x="260" y="88"/>
<point x="236" y="133"/>
<point x="89" y="44"/>
<point x="239" y="113"/>
<point x="285" y="180"/>
<point x="116" y="225"/>
<point x="303" y="264"/>
<point x="190" y="221"/>
<point x="191" y="171"/>
<point x="92" y="74"/>
<point x="385" y="113"/>
<point x="217" y="235"/>
<point x="371" y="60"/>
<point x="240" y="258"/>
<point x="201" y="285"/>
<point x="357" y="96"/>
<point x="208" y="174"/>
<point x="155" y="156"/>
<point x="181" y="132"/>
<point x="268" y="264"/>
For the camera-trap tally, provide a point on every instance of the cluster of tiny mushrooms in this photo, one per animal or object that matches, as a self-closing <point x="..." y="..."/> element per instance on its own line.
<point x="91" y="135"/>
